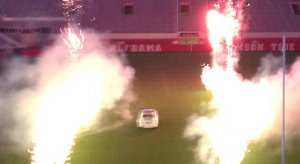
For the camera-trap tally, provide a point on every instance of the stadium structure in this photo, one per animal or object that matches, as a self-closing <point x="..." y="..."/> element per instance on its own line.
<point x="147" y="26"/>
<point x="156" y="35"/>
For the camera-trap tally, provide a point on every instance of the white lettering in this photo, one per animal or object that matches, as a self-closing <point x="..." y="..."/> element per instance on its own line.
<point x="126" y="48"/>
<point x="149" y="47"/>
<point x="122" y="47"/>
<point x="247" y="47"/>
<point x="142" y="48"/>
<point x="273" y="46"/>
<point x="119" y="46"/>
<point x="158" y="48"/>
<point x="252" y="47"/>
<point x="260" y="47"/>
<point x="278" y="46"/>
<point x="134" y="48"/>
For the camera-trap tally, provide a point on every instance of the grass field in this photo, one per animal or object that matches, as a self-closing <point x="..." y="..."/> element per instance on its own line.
<point x="130" y="145"/>
<point x="171" y="84"/>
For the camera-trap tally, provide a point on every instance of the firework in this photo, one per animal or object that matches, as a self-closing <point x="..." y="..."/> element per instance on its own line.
<point x="72" y="9"/>
<point x="237" y="120"/>
<point x="74" y="40"/>
<point x="72" y="34"/>
<point x="55" y="128"/>
<point x="70" y="95"/>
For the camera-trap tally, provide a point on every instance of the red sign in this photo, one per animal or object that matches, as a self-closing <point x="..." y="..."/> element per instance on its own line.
<point x="272" y="44"/>
<point x="157" y="45"/>
<point x="174" y="45"/>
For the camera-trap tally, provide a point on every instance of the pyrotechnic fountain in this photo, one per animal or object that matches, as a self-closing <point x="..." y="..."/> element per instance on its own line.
<point x="73" y="90"/>
<point x="72" y="35"/>
<point x="225" y="136"/>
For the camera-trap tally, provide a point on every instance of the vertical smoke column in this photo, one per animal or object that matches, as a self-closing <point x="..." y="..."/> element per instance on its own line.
<point x="223" y="24"/>
<point x="241" y="110"/>
<point x="70" y="95"/>
<point x="225" y="135"/>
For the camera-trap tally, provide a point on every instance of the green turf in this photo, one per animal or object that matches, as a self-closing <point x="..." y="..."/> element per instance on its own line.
<point x="164" y="145"/>
<point x="176" y="92"/>
<point x="14" y="157"/>
<point x="128" y="144"/>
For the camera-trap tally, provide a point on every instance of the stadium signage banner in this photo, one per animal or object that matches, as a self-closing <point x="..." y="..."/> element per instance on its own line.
<point x="175" y="45"/>
<point x="272" y="44"/>
<point x="156" y="45"/>
<point x="123" y="46"/>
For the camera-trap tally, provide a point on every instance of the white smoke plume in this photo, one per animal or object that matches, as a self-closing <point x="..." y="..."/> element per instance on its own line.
<point x="262" y="94"/>
<point x="70" y="95"/>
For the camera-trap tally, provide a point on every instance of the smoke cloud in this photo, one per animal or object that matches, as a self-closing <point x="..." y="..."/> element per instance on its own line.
<point x="54" y="88"/>
<point x="260" y="105"/>
<point x="270" y="71"/>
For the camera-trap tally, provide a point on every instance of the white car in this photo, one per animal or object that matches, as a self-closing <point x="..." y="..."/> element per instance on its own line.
<point x="147" y="118"/>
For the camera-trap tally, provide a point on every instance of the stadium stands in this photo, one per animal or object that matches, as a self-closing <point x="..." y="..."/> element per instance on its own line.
<point x="154" y="16"/>
<point x="147" y="19"/>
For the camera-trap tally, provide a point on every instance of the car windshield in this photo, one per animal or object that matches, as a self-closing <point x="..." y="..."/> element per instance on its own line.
<point x="148" y="115"/>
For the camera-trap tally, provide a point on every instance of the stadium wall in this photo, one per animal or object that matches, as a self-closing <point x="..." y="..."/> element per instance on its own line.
<point x="174" y="42"/>
<point x="154" y="26"/>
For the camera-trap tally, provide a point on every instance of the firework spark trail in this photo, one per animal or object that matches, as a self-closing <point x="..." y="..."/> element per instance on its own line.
<point x="72" y="34"/>
<point x="70" y="96"/>
<point x="224" y="137"/>
<point x="44" y="150"/>
<point x="71" y="99"/>
<point x="247" y="110"/>
<point x="224" y="133"/>
<point x="224" y="27"/>
<point x="74" y="41"/>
